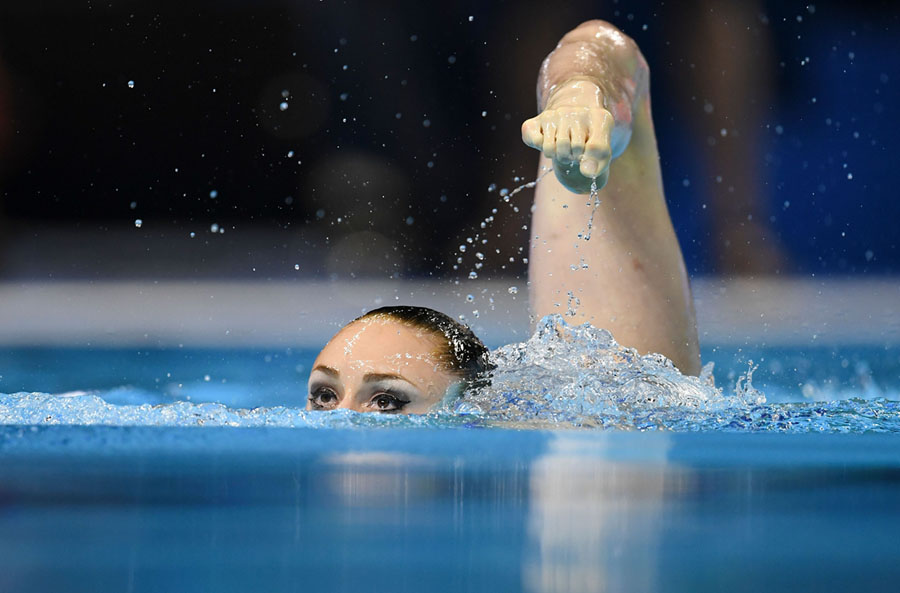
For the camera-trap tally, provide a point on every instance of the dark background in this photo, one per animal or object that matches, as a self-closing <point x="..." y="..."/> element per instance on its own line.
<point x="399" y="118"/>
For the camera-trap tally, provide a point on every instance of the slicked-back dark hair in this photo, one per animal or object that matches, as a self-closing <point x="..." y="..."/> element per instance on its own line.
<point x="461" y="353"/>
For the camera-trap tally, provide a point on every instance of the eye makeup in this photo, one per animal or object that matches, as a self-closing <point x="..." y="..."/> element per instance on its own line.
<point x="386" y="402"/>
<point x="378" y="392"/>
<point x="322" y="397"/>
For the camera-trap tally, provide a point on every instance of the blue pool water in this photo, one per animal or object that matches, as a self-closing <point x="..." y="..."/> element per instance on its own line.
<point x="195" y="469"/>
<point x="274" y="509"/>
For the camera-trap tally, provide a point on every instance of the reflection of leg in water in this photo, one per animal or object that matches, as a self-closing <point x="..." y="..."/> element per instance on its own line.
<point x="594" y="524"/>
<point x="731" y="56"/>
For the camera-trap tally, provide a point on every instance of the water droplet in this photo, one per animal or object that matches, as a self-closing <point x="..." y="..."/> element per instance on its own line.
<point x="492" y="187"/>
<point x="451" y="60"/>
<point x="131" y="84"/>
<point x="285" y="93"/>
<point x="214" y="228"/>
<point x="138" y="222"/>
<point x="484" y="114"/>
<point x="206" y="377"/>
<point x="132" y="205"/>
<point x="296" y="266"/>
<point x="472" y="275"/>
<point x="426" y="123"/>
<point x="343" y="96"/>
<point x="479" y="255"/>
<point x="470" y="298"/>
<point x="462" y="248"/>
<point x="410" y="220"/>
<point x="290" y="154"/>
<point x="513" y="290"/>
<point x="283" y="106"/>
<point x="214" y="194"/>
<point x="504" y="192"/>
<point x="471" y="18"/>
<point x="193" y="234"/>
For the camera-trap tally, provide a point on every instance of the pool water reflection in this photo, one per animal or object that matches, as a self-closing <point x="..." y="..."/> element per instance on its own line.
<point x="224" y="509"/>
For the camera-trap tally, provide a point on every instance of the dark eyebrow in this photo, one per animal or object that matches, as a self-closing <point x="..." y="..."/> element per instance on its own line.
<point x="327" y="370"/>
<point x="371" y="377"/>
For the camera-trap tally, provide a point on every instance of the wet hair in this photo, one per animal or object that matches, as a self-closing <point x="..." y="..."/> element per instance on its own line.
<point x="461" y="352"/>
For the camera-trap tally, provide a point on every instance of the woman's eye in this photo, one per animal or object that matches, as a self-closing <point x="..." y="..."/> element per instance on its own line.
<point x="385" y="402"/>
<point x="322" y="399"/>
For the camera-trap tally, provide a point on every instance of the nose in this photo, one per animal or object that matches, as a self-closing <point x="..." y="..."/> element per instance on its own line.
<point x="349" y="403"/>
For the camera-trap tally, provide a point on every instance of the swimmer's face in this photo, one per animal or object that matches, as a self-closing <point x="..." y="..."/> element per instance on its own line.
<point x="378" y="364"/>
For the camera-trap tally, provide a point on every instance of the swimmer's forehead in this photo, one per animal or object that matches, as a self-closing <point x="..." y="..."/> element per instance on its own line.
<point x="379" y="339"/>
<point x="384" y="326"/>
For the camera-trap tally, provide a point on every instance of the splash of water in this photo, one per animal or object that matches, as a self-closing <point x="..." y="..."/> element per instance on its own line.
<point x="595" y="201"/>
<point x="479" y="238"/>
<point x="581" y="376"/>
